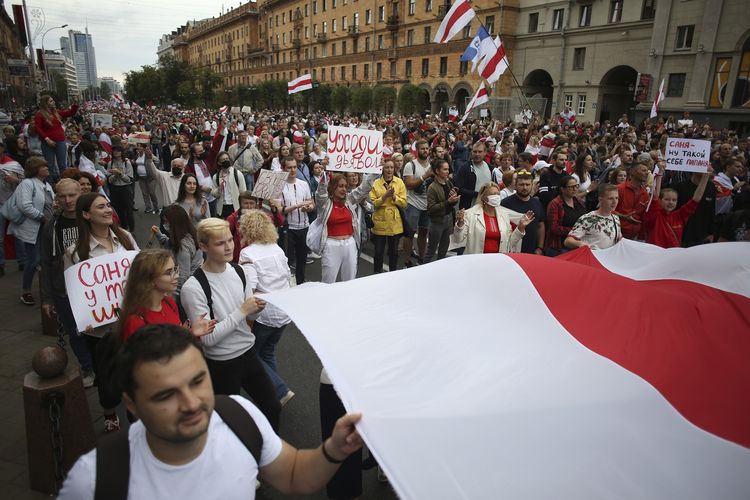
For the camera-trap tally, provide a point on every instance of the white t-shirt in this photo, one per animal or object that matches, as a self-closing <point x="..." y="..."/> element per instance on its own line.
<point x="225" y="468"/>
<point x="205" y="181"/>
<point x="295" y="193"/>
<point x="419" y="201"/>
<point x="268" y="269"/>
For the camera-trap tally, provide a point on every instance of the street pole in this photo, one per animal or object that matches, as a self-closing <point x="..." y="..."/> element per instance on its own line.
<point x="44" y="54"/>
<point x="31" y="50"/>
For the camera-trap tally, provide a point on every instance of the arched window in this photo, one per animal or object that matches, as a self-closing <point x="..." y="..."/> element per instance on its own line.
<point x="741" y="98"/>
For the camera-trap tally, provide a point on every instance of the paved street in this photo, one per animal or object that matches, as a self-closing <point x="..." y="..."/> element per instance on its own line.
<point x="20" y="337"/>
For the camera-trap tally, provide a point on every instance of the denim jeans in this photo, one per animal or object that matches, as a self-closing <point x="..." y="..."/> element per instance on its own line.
<point x="30" y="263"/>
<point x="249" y="182"/>
<point x="77" y="342"/>
<point x="56" y="156"/>
<point x="266" y="339"/>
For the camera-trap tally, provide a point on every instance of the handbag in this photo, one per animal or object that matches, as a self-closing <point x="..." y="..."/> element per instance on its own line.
<point x="315" y="236"/>
<point x="10" y="210"/>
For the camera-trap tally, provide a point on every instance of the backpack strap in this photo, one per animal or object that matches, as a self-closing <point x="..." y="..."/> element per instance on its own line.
<point x="241" y="423"/>
<point x="203" y="282"/>
<point x="113" y="467"/>
<point x="241" y="273"/>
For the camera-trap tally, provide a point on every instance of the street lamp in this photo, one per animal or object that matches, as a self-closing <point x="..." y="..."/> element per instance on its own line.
<point x="44" y="54"/>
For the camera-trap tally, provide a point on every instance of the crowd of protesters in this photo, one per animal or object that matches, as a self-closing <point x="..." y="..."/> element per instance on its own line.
<point x="68" y="192"/>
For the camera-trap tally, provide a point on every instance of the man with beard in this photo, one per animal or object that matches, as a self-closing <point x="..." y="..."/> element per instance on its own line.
<point x="416" y="172"/>
<point x="549" y="183"/>
<point x="522" y="202"/>
<point x="633" y="199"/>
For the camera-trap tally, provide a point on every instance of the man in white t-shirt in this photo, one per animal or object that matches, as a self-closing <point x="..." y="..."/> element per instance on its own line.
<point x="298" y="201"/>
<point x="181" y="448"/>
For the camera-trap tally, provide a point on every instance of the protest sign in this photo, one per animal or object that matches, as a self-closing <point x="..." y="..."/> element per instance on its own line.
<point x="354" y="150"/>
<point x="246" y="109"/>
<point x="96" y="287"/>
<point x="139" y="138"/>
<point x="689" y="155"/>
<point x="235" y="110"/>
<point x="270" y="185"/>
<point x="101" y="120"/>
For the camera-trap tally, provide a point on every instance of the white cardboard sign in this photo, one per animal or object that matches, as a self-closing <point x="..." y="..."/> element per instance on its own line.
<point x="101" y="120"/>
<point x="270" y="185"/>
<point x="354" y="150"/>
<point x="689" y="155"/>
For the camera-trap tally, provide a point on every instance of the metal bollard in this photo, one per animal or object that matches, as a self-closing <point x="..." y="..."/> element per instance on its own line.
<point x="58" y="422"/>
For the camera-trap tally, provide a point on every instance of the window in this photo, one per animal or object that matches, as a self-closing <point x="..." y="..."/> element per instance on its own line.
<point x="676" y="84"/>
<point x="315" y="52"/>
<point x="428" y="6"/>
<point x="355" y="46"/>
<point x="381" y="13"/>
<point x="425" y="67"/>
<point x="533" y="22"/>
<point x="581" y="104"/>
<point x="557" y="19"/>
<point x="568" y="100"/>
<point x="333" y="4"/>
<point x="684" y="37"/>
<point x="354" y="71"/>
<point x="333" y="49"/>
<point x="579" y="57"/>
<point x="649" y="9"/>
<point x="393" y="69"/>
<point x="344" y="25"/>
<point x="343" y="72"/>
<point x="410" y="38"/>
<point x="306" y="11"/>
<point x="741" y="95"/>
<point x="427" y="34"/>
<point x="325" y="26"/>
<point x="343" y="48"/>
<point x="315" y="6"/>
<point x="333" y="26"/>
<point x="367" y="44"/>
<point x="615" y="11"/>
<point x="356" y="19"/>
<point x="585" y="17"/>
<point x="407" y="69"/>
<point x="467" y="31"/>
<point x="325" y="2"/>
<point x="368" y="16"/>
<point x="367" y="71"/>
<point x="315" y="74"/>
<point x="443" y="66"/>
<point x="463" y="68"/>
<point x="721" y="76"/>
<point x="333" y="74"/>
<point x="283" y="18"/>
<point x="307" y="32"/>
<point x="315" y="30"/>
<point x="489" y="24"/>
<point x="379" y="71"/>
<point x="380" y="42"/>
<point x="412" y="7"/>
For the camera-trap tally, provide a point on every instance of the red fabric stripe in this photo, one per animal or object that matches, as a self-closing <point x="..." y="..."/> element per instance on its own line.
<point x="306" y="81"/>
<point x="688" y="340"/>
<point x="493" y="62"/>
<point x="460" y="11"/>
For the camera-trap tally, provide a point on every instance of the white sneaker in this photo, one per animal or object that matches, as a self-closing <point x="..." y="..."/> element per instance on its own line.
<point x="314" y="255"/>
<point x="289" y="395"/>
<point x="88" y="379"/>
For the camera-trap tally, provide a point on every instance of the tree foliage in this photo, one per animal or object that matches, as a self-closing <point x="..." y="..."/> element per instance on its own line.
<point x="59" y="86"/>
<point x="361" y="99"/>
<point x="172" y="82"/>
<point x="340" y="99"/>
<point x="104" y="91"/>
<point x="383" y="98"/>
<point x="409" y="99"/>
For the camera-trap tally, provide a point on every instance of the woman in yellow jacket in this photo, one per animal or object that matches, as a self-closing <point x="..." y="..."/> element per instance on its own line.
<point x="389" y="197"/>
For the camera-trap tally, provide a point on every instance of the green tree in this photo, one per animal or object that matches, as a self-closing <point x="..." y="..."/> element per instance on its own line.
<point x="383" y="98"/>
<point x="104" y="91"/>
<point x="340" y="99"/>
<point x="322" y="97"/>
<point x="361" y="99"/>
<point x="173" y="74"/>
<point x="59" y="85"/>
<point x="144" y="85"/>
<point x="409" y="99"/>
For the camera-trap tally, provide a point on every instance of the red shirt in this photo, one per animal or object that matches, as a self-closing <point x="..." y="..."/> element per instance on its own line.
<point x="491" y="234"/>
<point x="633" y="201"/>
<point x="340" y="221"/>
<point x="665" y="229"/>
<point x="53" y="130"/>
<point x="168" y="314"/>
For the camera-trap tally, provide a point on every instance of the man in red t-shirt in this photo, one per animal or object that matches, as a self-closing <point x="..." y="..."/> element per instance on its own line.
<point x="634" y="199"/>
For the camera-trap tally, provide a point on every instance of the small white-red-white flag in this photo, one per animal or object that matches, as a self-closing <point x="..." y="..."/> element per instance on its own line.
<point x="657" y="100"/>
<point x="117" y="97"/>
<point x="300" y="83"/>
<point x="223" y="109"/>
<point x="459" y="15"/>
<point x="493" y="66"/>
<point x="481" y="97"/>
<point x="452" y="113"/>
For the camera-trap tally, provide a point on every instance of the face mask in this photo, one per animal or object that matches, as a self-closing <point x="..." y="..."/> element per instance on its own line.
<point x="225" y="164"/>
<point x="494" y="200"/>
<point x="176" y="171"/>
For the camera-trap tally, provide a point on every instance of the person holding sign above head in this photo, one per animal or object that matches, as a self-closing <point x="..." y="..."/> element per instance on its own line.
<point x="99" y="235"/>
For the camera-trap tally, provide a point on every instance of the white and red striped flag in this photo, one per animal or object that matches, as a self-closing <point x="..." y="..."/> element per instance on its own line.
<point x="106" y="143"/>
<point x="481" y="97"/>
<point x="300" y="83"/>
<point x="223" y="109"/>
<point x="459" y="15"/>
<point x="657" y="99"/>
<point x="619" y="373"/>
<point x="494" y="65"/>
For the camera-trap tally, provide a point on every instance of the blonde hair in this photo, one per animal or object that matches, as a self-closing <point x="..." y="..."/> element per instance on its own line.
<point x="211" y="228"/>
<point x="67" y="182"/>
<point x="484" y="189"/>
<point x="257" y="227"/>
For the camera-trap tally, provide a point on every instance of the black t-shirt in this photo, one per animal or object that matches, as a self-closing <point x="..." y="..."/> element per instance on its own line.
<point x="549" y="186"/>
<point x="736" y="226"/>
<point x="701" y="224"/>
<point x="515" y="203"/>
<point x="67" y="231"/>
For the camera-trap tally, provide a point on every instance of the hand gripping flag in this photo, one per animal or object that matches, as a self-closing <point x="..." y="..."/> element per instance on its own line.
<point x="459" y="15"/>
<point x="478" y="47"/>
<point x="645" y="396"/>
<point x="299" y="84"/>
<point x="657" y="99"/>
<point x="494" y="65"/>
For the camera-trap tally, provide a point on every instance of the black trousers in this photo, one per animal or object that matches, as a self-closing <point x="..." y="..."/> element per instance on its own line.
<point x="122" y="202"/>
<point x="347" y="482"/>
<point x="296" y="251"/>
<point x="109" y="392"/>
<point x="246" y="372"/>
<point x="380" y="243"/>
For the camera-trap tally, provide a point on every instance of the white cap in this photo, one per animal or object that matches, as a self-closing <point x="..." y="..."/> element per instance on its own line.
<point x="539" y="165"/>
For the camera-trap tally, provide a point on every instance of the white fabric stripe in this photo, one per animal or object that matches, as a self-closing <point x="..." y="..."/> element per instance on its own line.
<point x="719" y="265"/>
<point x="493" y="399"/>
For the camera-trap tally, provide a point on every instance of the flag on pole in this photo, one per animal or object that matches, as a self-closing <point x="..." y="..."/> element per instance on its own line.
<point x="644" y="401"/>
<point x="105" y="142"/>
<point x="299" y="84"/>
<point x="459" y="15"/>
<point x="481" y="97"/>
<point x="493" y="66"/>
<point x="657" y="100"/>
<point x="478" y="47"/>
<point x="452" y="113"/>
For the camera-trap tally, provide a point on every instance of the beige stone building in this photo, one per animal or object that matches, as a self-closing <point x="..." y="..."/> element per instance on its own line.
<point x="588" y="54"/>
<point x="16" y="82"/>
<point x="347" y="42"/>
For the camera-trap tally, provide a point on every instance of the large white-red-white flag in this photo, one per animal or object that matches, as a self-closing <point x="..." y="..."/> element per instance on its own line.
<point x="458" y="16"/>
<point x="299" y="84"/>
<point x="620" y="373"/>
<point x="657" y="99"/>
<point x="481" y="97"/>
<point x="493" y="65"/>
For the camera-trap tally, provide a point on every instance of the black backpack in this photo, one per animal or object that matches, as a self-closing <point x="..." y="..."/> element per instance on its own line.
<point x="113" y="453"/>
<point x="203" y="282"/>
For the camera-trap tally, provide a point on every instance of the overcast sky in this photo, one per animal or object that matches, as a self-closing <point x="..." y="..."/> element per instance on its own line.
<point x="125" y="33"/>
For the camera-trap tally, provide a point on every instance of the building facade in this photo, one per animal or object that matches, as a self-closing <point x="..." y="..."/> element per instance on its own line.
<point x="347" y="42"/>
<point x="62" y="64"/>
<point x="80" y="48"/>
<point x="114" y="86"/>
<point x="16" y="82"/>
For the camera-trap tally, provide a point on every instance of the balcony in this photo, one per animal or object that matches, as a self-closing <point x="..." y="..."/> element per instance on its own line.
<point x="392" y="23"/>
<point x="392" y="54"/>
<point x="443" y="10"/>
<point x="274" y="47"/>
<point x="296" y="43"/>
<point x="353" y="31"/>
<point x="322" y="37"/>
